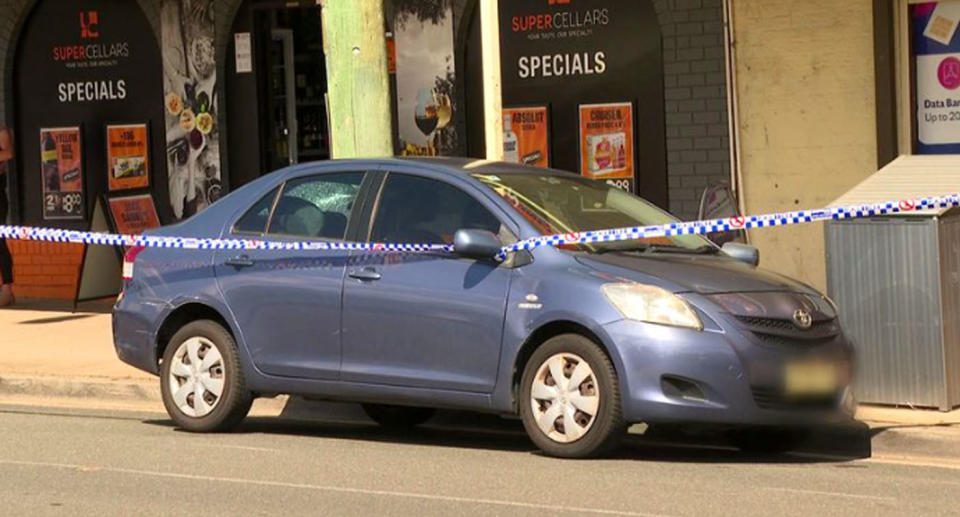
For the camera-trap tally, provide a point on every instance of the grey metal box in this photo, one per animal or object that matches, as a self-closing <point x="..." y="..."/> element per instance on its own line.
<point x="896" y="281"/>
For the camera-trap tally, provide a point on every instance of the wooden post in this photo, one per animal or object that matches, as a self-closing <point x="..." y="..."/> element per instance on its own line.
<point x="492" y="107"/>
<point x="357" y="80"/>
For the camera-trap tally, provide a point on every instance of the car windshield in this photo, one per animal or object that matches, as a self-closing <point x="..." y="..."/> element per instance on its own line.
<point x="556" y="204"/>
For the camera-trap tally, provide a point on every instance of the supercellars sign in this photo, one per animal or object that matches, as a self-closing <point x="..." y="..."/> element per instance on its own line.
<point x="557" y="39"/>
<point x="88" y="53"/>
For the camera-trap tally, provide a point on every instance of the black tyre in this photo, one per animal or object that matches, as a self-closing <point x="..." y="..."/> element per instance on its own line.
<point x="769" y="440"/>
<point x="578" y="415"/>
<point x="201" y="380"/>
<point x="398" y="417"/>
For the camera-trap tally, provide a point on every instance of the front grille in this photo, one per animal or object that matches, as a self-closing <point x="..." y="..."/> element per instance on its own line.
<point x="784" y="333"/>
<point x="773" y="398"/>
<point x="775" y="324"/>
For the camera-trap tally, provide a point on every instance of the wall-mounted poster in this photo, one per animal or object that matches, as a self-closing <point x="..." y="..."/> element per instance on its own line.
<point x="132" y="215"/>
<point x="526" y="136"/>
<point x="606" y="143"/>
<point x="190" y="100"/>
<point x="61" y="162"/>
<point x="426" y="95"/>
<point x="128" y="161"/>
<point x="936" y="48"/>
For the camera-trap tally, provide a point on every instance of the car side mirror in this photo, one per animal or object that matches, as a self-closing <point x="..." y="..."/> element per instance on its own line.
<point x="476" y="244"/>
<point x="742" y="252"/>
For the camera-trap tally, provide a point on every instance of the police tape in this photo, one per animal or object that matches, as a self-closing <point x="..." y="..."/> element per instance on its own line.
<point x="737" y="223"/>
<point x="587" y="237"/>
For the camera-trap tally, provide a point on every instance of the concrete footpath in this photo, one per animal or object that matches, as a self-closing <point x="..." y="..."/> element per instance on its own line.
<point x="51" y="355"/>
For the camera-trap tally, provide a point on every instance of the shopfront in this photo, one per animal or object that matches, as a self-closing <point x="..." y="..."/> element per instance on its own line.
<point x="129" y="114"/>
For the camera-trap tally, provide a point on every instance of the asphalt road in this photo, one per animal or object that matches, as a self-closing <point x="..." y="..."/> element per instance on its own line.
<point x="59" y="462"/>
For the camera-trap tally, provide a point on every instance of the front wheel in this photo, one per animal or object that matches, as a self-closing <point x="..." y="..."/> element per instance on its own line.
<point x="201" y="380"/>
<point x="570" y="399"/>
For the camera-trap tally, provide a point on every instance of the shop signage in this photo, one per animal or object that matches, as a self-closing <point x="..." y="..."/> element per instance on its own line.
<point x="606" y="143"/>
<point x="128" y="160"/>
<point x="89" y="51"/>
<point x="937" y="53"/>
<point x="61" y="164"/>
<point x="526" y="136"/>
<point x="133" y="214"/>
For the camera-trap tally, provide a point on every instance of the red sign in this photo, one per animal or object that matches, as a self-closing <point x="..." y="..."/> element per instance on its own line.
<point x="133" y="214"/>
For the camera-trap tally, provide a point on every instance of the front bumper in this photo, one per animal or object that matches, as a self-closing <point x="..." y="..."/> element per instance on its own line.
<point x="737" y="380"/>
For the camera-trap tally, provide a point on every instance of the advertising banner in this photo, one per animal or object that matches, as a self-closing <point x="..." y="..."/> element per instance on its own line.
<point x="606" y="143"/>
<point x="133" y="214"/>
<point x="526" y="135"/>
<point x="190" y="101"/>
<point x="937" y="53"/>
<point x="128" y="160"/>
<point x="61" y="163"/>
<point x="425" y="74"/>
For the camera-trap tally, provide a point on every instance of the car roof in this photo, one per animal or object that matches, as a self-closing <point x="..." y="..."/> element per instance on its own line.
<point x="451" y="165"/>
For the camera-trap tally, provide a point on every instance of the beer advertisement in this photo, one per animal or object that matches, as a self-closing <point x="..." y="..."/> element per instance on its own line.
<point x="133" y="214"/>
<point x="606" y="143"/>
<point x="128" y="164"/>
<point x="61" y="163"/>
<point x="526" y="136"/>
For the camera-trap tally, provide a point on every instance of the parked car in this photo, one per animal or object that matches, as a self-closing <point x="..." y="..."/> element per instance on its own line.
<point x="578" y="340"/>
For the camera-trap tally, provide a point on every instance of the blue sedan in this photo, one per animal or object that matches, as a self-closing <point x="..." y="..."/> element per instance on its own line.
<point x="578" y="340"/>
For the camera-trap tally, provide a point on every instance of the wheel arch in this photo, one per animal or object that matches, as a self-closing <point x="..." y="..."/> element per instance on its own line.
<point x="552" y="329"/>
<point x="182" y="315"/>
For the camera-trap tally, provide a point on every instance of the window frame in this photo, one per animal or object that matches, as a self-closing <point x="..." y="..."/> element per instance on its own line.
<point x="355" y="209"/>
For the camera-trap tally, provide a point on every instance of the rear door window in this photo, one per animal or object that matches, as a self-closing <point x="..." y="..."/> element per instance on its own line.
<point x="413" y="209"/>
<point x="255" y="219"/>
<point x="316" y="206"/>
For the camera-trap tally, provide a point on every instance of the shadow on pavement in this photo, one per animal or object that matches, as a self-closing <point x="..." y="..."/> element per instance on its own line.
<point x="55" y="319"/>
<point x="489" y="432"/>
<point x="101" y="306"/>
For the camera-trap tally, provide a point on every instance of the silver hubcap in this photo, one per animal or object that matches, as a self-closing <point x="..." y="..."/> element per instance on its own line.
<point x="196" y="377"/>
<point x="565" y="397"/>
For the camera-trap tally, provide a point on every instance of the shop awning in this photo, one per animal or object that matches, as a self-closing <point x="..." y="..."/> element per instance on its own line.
<point x="908" y="176"/>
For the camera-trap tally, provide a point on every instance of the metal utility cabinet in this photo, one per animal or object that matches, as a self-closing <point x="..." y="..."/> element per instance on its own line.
<point x="896" y="282"/>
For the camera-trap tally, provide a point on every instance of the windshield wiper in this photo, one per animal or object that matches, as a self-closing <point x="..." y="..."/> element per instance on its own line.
<point x="646" y="247"/>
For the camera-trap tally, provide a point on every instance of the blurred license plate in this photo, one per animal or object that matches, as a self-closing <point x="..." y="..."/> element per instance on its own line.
<point x="810" y="378"/>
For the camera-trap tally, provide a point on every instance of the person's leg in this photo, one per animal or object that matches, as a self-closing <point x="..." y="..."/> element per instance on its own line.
<point x="6" y="260"/>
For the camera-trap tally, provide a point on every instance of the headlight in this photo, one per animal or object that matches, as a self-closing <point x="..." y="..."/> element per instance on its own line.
<point x="652" y="304"/>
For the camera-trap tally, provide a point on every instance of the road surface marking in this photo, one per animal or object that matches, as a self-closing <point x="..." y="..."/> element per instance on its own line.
<point x="832" y="494"/>
<point x="329" y="488"/>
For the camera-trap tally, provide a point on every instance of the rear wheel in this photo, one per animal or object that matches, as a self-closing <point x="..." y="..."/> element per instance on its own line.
<point x="201" y="379"/>
<point x="398" y="417"/>
<point x="570" y="399"/>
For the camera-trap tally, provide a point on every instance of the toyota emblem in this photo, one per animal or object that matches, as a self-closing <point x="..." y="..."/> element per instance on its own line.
<point x="802" y="318"/>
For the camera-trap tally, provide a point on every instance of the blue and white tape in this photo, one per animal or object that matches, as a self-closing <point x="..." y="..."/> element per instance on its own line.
<point x="587" y="237"/>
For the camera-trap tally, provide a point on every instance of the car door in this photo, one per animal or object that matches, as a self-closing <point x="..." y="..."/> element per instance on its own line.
<point x="287" y="303"/>
<point x="431" y="320"/>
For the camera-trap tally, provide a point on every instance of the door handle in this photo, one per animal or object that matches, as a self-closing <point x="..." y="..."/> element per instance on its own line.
<point x="365" y="274"/>
<point x="240" y="261"/>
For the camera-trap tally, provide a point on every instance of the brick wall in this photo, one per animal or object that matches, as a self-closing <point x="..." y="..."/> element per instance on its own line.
<point x="698" y="143"/>
<point x="45" y="269"/>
